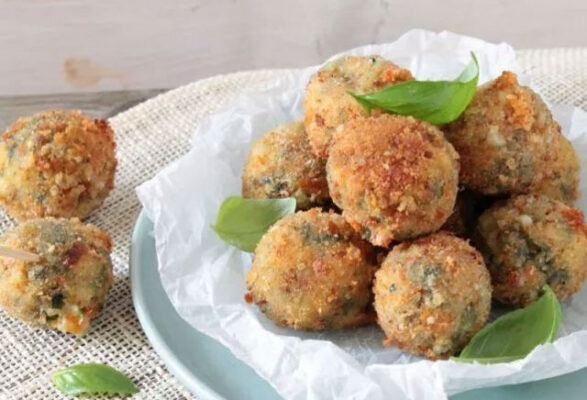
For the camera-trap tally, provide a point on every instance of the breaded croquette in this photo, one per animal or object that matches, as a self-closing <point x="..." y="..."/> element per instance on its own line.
<point x="394" y="177"/>
<point x="68" y="286"/>
<point x="56" y="163"/>
<point x="281" y="164"/>
<point x="432" y="295"/>
<point x="506" y="138"/>
<point x="312" y="271"/>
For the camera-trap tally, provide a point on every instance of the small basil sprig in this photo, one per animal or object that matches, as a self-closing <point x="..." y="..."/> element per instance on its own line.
<point x="242" y="222"/>
<point x="437" y="102"/>
<point x="515" y="334"/>
<point x="92" y="378"/>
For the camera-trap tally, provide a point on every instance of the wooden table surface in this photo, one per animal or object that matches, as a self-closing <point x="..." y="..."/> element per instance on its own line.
<point x="97" y="105"/>
<point x="64" y="46"/>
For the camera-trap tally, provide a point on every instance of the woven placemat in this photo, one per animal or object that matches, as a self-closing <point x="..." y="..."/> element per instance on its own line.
<point x="150" y="136"/>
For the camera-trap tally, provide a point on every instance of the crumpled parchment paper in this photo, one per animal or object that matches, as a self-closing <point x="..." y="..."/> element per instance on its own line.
<point x="205" y="278"/>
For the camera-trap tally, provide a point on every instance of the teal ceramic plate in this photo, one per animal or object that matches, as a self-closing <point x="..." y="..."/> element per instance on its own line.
<point x="210" y="371"/>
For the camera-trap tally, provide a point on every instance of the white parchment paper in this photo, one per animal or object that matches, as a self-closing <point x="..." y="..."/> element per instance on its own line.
<point x="205" y="278"/>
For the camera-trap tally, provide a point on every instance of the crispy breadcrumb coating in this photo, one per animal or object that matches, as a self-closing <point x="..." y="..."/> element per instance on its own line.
<point x="432" y="295"/>
<point x="530" y="241"/>
<point x="506" y="138"/>
<point x="56" y="163"/>
<point x="68" y="286"/>
<point x="281" y="164"/>
<point x="394" y="177"/>
<point x="311" y="271"/>
<point x="561" y="182"/>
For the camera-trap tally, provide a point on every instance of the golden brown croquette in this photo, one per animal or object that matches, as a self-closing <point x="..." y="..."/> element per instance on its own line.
<point x="327" y="104"/>
<point x="311" y="271"/>
<point x="68" y="286"/>
<point x="432" y="295"/>
<point x="506" y="138"/>
<point x="530" y="241"/>
<point x="281" y="164"/>
<point x="394" y="177"/>
<point x="56" y="163"/>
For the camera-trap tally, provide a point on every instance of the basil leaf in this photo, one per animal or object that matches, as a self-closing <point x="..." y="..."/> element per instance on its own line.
<point x="437" y="102"/>
<point x="92" y="378"/>
<point x="515" y="334"/>
<point x="242" y="222"/>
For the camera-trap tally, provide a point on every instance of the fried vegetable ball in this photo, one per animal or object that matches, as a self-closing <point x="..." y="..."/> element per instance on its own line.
<point x="312" y="272"/>
<point x="394" y="177"/>
<point x="281" y="164"/>
<point x="529" y="241"/>
<point x="327" y="104"/>
<point x="67" y="287"/>
<point x="56" y="163"/>
<point x="506" y="138"/>
<point x="562" y="180"/>
<point x="432" y="295"/>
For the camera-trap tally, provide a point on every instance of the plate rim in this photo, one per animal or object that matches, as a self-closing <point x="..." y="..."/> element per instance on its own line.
<point x="177" y="368"/>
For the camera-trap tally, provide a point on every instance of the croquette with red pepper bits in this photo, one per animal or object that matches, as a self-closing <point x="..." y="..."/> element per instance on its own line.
<point x="394" y="177"/>
<point x="68" y="286"/>
<point x="506" y="138"/>
<point x="327" y="103"/>
<point x="432" y="295"/>
<point x="56" y="163"/>
<point x="311" y="271"/>
<point x="530" y="241"/>
<point x="281" y="164"/>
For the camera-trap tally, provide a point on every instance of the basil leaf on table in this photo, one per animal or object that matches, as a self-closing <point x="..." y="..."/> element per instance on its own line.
<point x="437" y="102"/>
<point x="92" y="378"/>
<point x="515" y="334"/>
<point x="242" y="222"/>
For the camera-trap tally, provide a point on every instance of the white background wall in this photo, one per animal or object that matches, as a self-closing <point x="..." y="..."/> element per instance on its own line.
<point x="55" y="46"/>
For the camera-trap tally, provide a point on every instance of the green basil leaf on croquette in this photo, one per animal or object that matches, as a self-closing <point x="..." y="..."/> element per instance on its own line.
<point x="515" y="334"/>
<point x="437" y="102"/>
<point x="242" y="222"/>
<point x="92" y="378"/>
